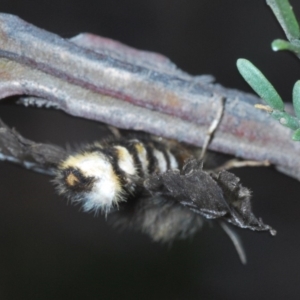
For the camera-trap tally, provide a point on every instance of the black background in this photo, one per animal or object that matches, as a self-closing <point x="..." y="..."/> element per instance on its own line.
<point x="51" y="250"/>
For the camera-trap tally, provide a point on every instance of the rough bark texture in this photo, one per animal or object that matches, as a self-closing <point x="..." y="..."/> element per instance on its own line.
<point x="103" y="80"/>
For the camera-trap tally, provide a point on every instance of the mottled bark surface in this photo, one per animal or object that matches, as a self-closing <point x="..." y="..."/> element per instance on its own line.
<point x="99" y="79"/>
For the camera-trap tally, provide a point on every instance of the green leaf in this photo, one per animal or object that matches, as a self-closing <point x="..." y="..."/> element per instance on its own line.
<point x="296" y="98"/>
<point x="286" y="17"/>
<point x="285" y="119"/>
<point x="296" y="135"/>
<point x="260" y="84"/>
<point x="284" y="45"/>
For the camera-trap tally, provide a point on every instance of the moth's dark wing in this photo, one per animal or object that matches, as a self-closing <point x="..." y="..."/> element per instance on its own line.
<point x="217" y="196"/>
<point x="195" y="189"/>
<point x="163" y="219"/>
<point x="239" y="200"/>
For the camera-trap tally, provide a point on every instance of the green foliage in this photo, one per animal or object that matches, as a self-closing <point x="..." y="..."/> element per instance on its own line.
<point x="284" y="14"/>
<point x="285" y="45"/>
<point x="286" y="119"/>
<point x="296" y="98"/>
<point x="260" y="84"/>
<point x="296" y="135"/>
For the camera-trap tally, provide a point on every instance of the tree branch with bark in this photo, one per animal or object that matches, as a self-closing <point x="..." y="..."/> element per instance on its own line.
<point x="99" y="79"/>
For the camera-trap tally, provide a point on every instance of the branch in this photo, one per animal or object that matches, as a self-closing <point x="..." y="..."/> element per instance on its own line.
<point x="99" y="79"/>
<point x="38" y="157"/>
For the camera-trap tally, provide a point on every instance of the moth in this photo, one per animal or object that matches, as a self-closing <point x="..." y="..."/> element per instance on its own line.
<point x="156" y="186"/>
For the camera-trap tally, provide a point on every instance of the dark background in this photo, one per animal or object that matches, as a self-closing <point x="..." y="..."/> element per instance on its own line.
<point x="51" y="250"/>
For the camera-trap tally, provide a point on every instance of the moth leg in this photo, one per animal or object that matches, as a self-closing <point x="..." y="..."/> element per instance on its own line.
<point x="235" y="163"/>
<point x="114" y="131"/>
<point x="214" y="125"/>
<point x="237" y="243"/>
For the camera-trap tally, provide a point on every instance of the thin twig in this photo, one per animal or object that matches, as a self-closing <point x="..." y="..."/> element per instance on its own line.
<point x="37" y="157"/>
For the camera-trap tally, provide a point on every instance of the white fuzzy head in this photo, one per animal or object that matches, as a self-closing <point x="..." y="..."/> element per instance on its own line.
<point x="89" y="178"/>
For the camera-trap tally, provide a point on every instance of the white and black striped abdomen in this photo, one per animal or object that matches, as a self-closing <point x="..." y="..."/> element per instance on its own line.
<point x="104" y="174"/>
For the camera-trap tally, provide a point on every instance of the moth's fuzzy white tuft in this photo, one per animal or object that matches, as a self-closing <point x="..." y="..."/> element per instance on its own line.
<point x="173" y="161"/>
<point x="104" y="191"/>
<point x="162" y="164"/>
<point x="142" y="155"/>
<point x="125" y="160"/>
